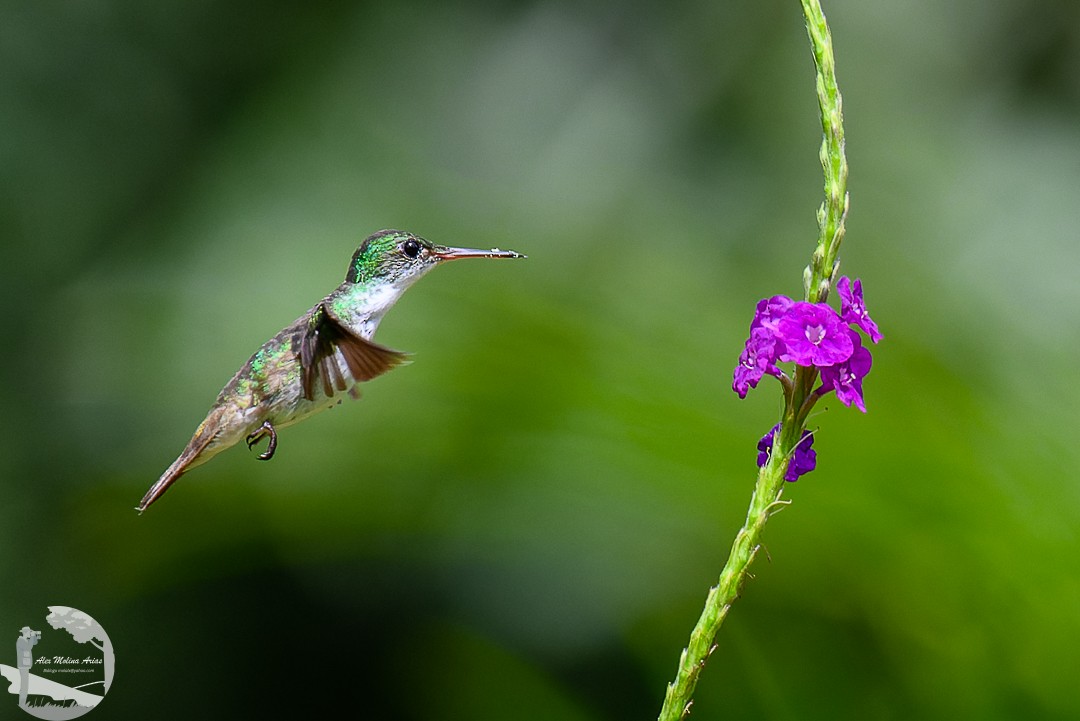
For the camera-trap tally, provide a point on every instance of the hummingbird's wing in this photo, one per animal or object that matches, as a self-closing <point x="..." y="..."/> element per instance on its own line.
<point x="324" y="339"/>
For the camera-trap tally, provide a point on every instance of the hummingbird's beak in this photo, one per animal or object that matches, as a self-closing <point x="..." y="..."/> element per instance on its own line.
<point x="441" y="252"/>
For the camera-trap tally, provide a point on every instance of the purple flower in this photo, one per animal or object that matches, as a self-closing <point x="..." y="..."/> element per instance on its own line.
<point x="803" y="461"/>
<point x="769" y="311"/>
<point x="757" y="359"/>
<point x="846" y="378"/>
<point x="853" y="309"/>
<point x="813" y="335"/>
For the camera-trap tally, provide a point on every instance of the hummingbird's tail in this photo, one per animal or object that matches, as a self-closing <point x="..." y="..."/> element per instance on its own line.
<point x="205" y="434"/>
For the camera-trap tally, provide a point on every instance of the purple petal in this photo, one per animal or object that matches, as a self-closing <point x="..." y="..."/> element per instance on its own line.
<point x="853" y="308"/>
<point x="764" y="446"/>
<point x="813" y="335"/>
<point x="769" y="311"/>
<point x="846" y="378"/>
<point x="757" y="358"/>
<point x="804" y="460"/>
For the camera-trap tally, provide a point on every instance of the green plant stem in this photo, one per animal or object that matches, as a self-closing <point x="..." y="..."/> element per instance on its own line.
<point x="818" y="279"/>
<point x="764" y="502"/>
<point x="833" y="212"/>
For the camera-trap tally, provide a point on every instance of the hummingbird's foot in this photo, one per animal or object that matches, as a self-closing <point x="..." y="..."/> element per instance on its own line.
<point x="266" y="429"/>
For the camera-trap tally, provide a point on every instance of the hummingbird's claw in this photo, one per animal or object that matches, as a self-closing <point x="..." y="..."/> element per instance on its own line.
<point x="266" y="429"/>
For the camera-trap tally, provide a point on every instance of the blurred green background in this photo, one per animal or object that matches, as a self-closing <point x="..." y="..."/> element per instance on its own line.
<point x="524" y="522"/>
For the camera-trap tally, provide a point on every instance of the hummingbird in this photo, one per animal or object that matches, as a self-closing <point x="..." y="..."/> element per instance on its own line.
<point x="320" y="357"/>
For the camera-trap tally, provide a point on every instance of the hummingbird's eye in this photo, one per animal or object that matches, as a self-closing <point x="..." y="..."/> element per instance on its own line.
<point x="411" y="248"/>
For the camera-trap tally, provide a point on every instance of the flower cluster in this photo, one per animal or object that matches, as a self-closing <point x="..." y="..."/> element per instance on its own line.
<point x="803" y="460"/>
<point x="812" y="335"/>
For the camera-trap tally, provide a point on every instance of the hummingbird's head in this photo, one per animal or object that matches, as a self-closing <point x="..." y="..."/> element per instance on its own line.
<point x="400" y="258"/>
